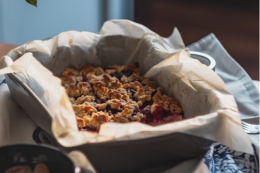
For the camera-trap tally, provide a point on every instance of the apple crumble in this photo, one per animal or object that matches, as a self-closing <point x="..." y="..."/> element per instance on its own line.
<point x="117" y="94"/>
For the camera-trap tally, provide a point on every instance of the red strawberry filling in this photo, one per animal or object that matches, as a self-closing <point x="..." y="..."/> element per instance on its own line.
<point x="168" y="119"/>
<point x="157" y="113"/>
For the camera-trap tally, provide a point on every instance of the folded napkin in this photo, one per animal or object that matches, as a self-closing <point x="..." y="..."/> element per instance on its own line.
<point x="237" y="80"/>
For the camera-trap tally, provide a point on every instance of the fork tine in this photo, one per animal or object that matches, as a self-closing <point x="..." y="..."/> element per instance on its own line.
<point x="245" y="124"/>
<point x="247" y="130"/>
<point x="250" y="128"/>
<point x="245" y="127"/>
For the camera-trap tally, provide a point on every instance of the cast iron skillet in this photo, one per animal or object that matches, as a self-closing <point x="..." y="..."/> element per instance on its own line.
<point x="30" y="155"/>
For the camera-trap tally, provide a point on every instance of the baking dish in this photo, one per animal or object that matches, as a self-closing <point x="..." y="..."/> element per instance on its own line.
<point x="131" y="153"/>
<point x="138" y="158"/>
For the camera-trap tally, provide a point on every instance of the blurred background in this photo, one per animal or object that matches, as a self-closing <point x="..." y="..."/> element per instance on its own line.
<point x="234" y="22"/>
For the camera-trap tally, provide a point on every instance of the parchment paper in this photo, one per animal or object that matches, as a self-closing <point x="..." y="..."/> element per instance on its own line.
<point x="199" y="90"/>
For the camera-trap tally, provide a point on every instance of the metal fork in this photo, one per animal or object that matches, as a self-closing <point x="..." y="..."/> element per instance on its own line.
<point x="250" y="128"/>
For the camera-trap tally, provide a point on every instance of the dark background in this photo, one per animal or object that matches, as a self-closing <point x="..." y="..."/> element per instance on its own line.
<point x="234" y="22"/>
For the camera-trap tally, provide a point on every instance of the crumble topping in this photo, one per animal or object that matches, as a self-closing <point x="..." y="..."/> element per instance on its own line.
<point x="97" y="119"/>
<point x="101" y="106"/>
<point x="113" y="94"/>
<point x="83" y="98"/>
<point x="118" y="68"/>
<point x="68" y="79"/>
<point x="135" y="68"/>
<point x="87" y="69"/>
<point x="117" y="94"/>
<point x="70" y="72"/>
<point x="124" y="79"/>
<point x="131" y="105"/>
<point x="138" y="117"/>
<point x="110" y="71"/>
<point x="114" y="103"/>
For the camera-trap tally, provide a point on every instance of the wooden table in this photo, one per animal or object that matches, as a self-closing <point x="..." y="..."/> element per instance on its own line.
<point x="5" y="48"/>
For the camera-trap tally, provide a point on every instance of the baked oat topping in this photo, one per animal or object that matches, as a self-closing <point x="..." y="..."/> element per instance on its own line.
<point x="117" y="94"/>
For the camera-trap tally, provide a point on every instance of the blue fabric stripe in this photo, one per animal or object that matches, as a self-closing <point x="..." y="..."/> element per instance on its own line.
<point x="3" y="82"/>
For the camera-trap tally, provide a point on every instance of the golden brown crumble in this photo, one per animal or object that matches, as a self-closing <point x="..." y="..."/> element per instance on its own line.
<point x="114" y="103"/>
<point x="116" y="94"/>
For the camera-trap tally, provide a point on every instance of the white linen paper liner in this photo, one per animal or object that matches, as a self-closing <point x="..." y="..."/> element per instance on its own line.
<point x="198" y="89"/>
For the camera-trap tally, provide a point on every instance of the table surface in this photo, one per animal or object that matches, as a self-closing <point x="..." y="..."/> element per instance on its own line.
<point x="5" y="48"/>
